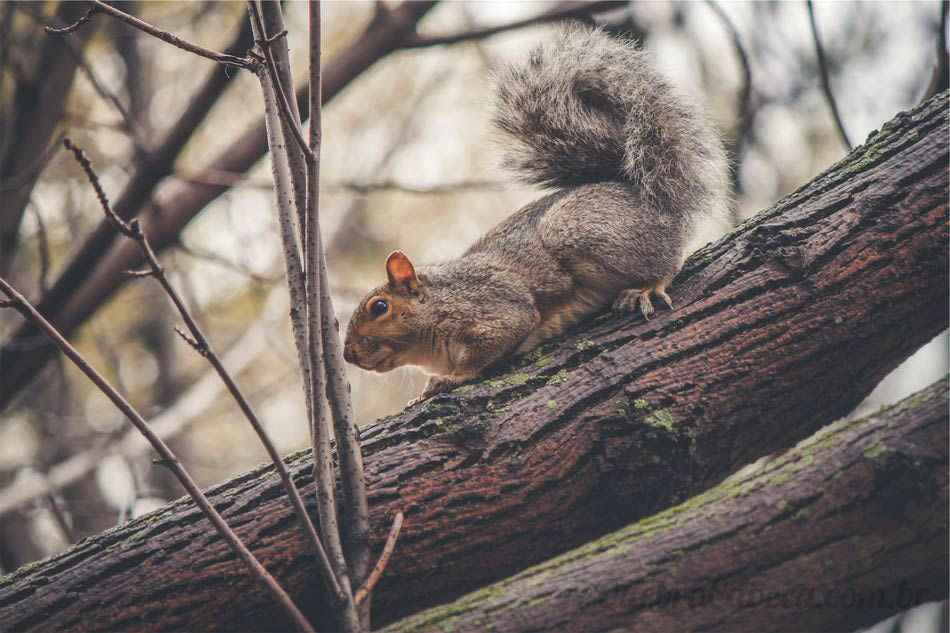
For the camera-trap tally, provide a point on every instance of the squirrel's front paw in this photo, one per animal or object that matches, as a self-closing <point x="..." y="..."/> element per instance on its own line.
<point x="434" y="387"/>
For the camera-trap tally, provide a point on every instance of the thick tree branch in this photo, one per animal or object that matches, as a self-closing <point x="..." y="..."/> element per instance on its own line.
<point x="866" y="505"/>
<point x="783" y="326"/>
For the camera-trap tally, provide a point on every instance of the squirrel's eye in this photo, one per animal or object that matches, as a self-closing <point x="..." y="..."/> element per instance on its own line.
<point x="378" y="308"/>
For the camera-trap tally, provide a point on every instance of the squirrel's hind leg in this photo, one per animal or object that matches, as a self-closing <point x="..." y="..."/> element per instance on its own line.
<point x="632" y="298"/>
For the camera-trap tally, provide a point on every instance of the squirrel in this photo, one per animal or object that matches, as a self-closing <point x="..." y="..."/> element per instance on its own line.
<point x="636" y="169"/>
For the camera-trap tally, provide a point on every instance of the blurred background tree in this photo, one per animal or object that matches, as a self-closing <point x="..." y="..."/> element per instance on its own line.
<point x="409" y="162"/>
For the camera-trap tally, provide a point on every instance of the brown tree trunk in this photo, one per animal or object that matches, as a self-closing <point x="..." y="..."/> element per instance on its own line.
<point x="781" y="327"/>
<point x="866" y="505"/>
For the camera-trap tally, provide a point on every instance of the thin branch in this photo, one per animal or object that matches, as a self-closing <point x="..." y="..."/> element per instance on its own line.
<point x="18" y="302"/>
<point x="825" y="80"/>
<point x="323" y="403"/>
<point x="42" y="247"/>
<point x="264" y="42"/>
<point x="277" y="133"/>
<point x="75" y="26"/>
<point x="745" y="95"/>
<point x="62" y="521"/>
<point x="939" y="77"/>
<point x="199" y="343"/>
<point x="101" y="7"/>
<point x="563" y="11"/>
<point x="175" y="419"/>
<point x="380" y="566"/>
<point x="128" y="121"/>
<point x="297" y="159"/>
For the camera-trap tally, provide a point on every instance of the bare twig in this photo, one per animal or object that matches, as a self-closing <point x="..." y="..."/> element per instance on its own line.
<point x="42" y="246"/>
<point x="380" y="566"/>
<point x="745" y="95"/>
<point x="18" y="302"/>
<point x="563" y="11"/>
<point x="264" y="42"/>
<point x="175" y="419"/>
<point x="62" y="521"/>
<point x="825" y="79"/>
<point x="939" y="77"/>
<point x="129" y="123"/>
<point x="315" y="394"/>
<point x="297" y="159"/>
<point x="165" y="36"/>
<point x="199" y="343"/>
<point x="325" y="344"/>
<point x="75" y="26"/>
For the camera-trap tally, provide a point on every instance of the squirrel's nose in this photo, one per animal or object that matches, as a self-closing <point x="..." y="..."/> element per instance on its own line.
<point x="348" y="355"/>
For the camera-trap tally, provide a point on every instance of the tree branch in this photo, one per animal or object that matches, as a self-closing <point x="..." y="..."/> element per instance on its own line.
<point x="200" y="344"/>
<point x="75" y="296"/>
<point x="783" y="326"/>
<point x="22" y="351"/>
<point x="825" y="80"/>
<point x="97" y="6"/>
<point x="743" y="556"/>
<point x="20" y="304"/>
<point x="563" y="11"/>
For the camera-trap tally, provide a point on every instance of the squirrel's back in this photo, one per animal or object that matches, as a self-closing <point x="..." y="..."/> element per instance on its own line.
<point x="588" y="107"/>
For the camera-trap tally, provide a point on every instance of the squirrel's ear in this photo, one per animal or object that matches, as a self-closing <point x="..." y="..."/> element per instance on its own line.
<point x="401" y="272"/>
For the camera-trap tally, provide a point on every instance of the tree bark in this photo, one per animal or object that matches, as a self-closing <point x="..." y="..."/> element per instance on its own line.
<point x="782" y="326"/>
<point x="866" y="505"/>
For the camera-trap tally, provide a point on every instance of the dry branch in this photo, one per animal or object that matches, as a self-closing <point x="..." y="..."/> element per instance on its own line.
<point x="783" y="326"/>
<point x="96" y="6"/>
<point x="200" y="344"/>
<point x="289" y="177"/>
<point x="27" y="348"/>
<point x="825" y="79"/>
<point x="19" y="303"/>
<point x="563" y="11"/>
<point x="866" y="505"/>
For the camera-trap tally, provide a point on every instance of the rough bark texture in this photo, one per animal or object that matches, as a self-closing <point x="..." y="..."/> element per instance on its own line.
<point x="782" y="326"/>
<point x="866" y="505"/>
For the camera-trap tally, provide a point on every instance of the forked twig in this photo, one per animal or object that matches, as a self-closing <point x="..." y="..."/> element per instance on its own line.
<point x="97" y="6"/>
<point x="18" y="302"/>
<point x="264" y="42"/>
<point x="200" y="344"/>
<point x="380" y="566"/>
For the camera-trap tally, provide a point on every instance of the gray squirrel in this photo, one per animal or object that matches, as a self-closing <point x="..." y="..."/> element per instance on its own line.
<point x="636" y="169"/>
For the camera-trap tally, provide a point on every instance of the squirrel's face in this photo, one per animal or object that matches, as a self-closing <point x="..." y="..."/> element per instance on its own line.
<point x="380" y="336"/>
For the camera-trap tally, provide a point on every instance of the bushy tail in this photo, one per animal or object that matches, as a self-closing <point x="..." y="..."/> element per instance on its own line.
<point x="587" y="107"/>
